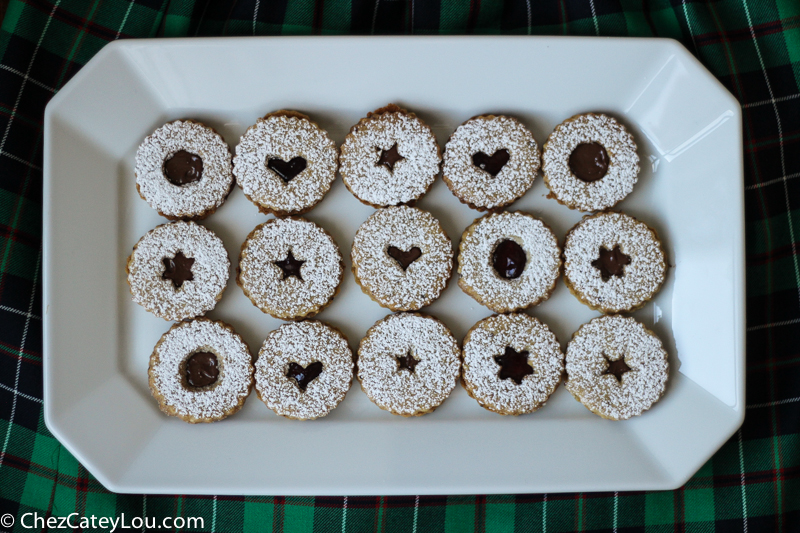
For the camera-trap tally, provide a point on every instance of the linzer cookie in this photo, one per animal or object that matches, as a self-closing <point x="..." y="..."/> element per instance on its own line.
<point x="613" y="262"/>
<point x="285" y="163"/>
<point x="512" y="363"/>
<point x="402" y="258"/>
<point x="508" y="261"/>
<point x="304" y="370"/>
<point x="183" y="170"/>
<point x="201" y="371"/>
<point x="408" y="364"/>
<point x="178" y="270"/>
<point x="616" y="367"/>
<point x="290" y="268"/>
<point x="490" y="161"/>
<point x="590" y="162"/>
<point x="389" y="158"/>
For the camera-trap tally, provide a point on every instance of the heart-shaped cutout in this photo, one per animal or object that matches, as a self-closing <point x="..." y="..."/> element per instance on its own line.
<point x="287" y="171"/>
<point x="303" y="376"/>
<point x="404" y="259"/>
<point x="492" y="164"/>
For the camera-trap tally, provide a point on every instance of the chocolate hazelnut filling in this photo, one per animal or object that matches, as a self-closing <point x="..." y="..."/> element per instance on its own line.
<point x="178" y="269"/>
<point x="202" y="369"/>
<point x="509" y="259"/>
<point x="589" y="162"/>
<point x="183" y="168"/>
<point x="492" y="164"/>
<point x="390" y="157"/>
<point x="404" y="259"/>
<point x="290" y="266"/>
<point x="616" y="368"/>
<point x="407" y="362"/>
<point x="513" y="365"/>
<point x="611" y="263"/>
<point x="287" y="171"/>
<point x="303" y="376"/>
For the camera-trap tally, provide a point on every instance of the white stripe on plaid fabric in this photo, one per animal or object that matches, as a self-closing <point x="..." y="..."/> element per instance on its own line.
<point x="594" y="18"/>
<point x="689" y="24"/>
<point x="771" y="101"/>
<point x="214" y="515"/>
<point x="18" y="393"/>
<point x="375" y="16"/>
<point x="744" y="489"/>
<point x="770" y="182"/>
<point x="124" y="19"/>
<point x="17" y="311"/>
<point x="616" y="509"/>
<point x="19" y="359"/>
<point x="544" y="514"/>
<point x="780" y="144"/>
<point x="528" y="6"/>
<point x="774" y="324"/>
<point x="20" y="160"/>
<point x="255" y="15"/>
<point x="344" y="514"/>
<point x="416" y="512"/>
<point x="22" y="74"/>
<point x="26" y="77"/>
<point x="773" y="404"/>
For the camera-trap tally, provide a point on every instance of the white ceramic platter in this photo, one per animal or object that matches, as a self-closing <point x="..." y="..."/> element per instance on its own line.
<point x="97" y="342"/>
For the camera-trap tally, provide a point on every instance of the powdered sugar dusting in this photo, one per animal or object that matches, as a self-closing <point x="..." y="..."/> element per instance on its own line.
<point x="481" y="281"/>
<point x="402" y="227"/>
<point x="398" y="390"/>
<point x="304" y="343"/>
<point x="489" y="134"/>
<point x="615" y="337"/>
<point x="489" y="338"/>
<point x="209" y="271"/>
<point x="193" y="199"/>
<point x="642" y="278"/>
<point x="623" y="167"/>
<point x="263" y="281"/>
<point x="411" y="177"/>
<point x="210" y="403"/>
<point x="285" y="137"/>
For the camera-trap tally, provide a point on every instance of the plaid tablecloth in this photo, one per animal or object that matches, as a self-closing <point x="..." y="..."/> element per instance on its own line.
<point x="753" y="46"/>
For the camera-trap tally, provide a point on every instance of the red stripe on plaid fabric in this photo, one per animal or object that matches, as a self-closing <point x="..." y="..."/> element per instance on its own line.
<point x="743" y="34"/>
<point x="19" y="236"/>
<point x="29" y="356"/>
<point x="71" y="19"/>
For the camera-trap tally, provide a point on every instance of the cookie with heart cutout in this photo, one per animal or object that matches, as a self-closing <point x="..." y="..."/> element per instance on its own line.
<point x="402" y="258"/>
<point x="285" y="163"/>
<point x="304" y="370"/>
<point x="490" y="161"/>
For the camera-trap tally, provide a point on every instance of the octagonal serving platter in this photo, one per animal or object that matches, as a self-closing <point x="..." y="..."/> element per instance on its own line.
<point x="97" y="342"/>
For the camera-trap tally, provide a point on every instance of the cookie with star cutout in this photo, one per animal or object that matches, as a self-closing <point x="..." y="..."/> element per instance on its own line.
<point x="402" y="258"/>
<point x="285" y="163"/>
<point x="290" y="268"/>
<point x="408" y="364"/>
<point x="304" y="370"/>
<point x="178" y="270"/>
<point x="511" y="363"/>
<point x="389" y="158"/>
<point x="613" y="263"/>
<point x="616" y="367"/>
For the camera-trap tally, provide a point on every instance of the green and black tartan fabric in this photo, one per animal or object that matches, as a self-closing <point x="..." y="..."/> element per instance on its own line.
<point x="753" y="46"/>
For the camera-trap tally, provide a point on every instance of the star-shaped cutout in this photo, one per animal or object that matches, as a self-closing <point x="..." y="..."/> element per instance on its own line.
<point x="390" y="157"/>
<point x="513" y="365"/>
<point x="178" y="269"/>
<point x="290" y="266"/>
<point x="407" y="362"/>
<point x="616" y="368"/>
<point x="611" y="263"/>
